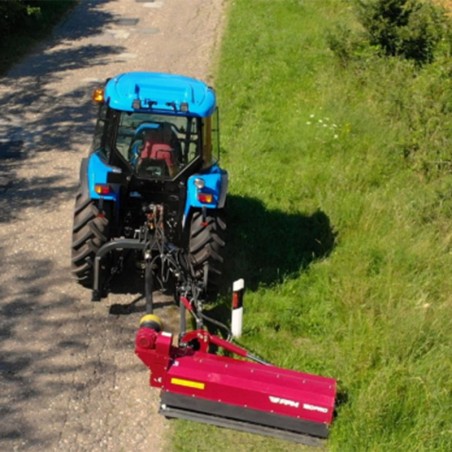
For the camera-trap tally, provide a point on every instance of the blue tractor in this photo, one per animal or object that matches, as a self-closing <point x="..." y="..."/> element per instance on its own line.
<point x="151" y="187"/>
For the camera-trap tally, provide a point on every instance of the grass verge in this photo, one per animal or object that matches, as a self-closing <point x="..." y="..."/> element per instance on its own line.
<point x="342" y="235"/>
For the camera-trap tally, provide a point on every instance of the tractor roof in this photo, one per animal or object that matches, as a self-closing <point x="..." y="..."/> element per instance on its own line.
<point x="163" y="93"/>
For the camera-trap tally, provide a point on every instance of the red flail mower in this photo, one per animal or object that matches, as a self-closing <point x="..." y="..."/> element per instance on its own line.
<point x="242" y="392"/>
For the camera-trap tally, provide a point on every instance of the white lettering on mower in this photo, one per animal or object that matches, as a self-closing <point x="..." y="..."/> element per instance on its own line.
<point x="310" y="407"/>
<point x="285" y="402"/>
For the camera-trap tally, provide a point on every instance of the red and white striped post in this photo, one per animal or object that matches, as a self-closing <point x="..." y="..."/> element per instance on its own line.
<point x="238" y="288"/>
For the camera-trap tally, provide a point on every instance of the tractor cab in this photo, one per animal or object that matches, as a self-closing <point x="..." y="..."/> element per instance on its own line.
<point x="162" y="147"/>
<point x="157" y="126"/>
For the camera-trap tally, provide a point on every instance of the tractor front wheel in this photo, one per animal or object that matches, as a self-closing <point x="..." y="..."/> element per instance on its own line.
<point x="206" y="247"/>
<point x="90" y="231"/>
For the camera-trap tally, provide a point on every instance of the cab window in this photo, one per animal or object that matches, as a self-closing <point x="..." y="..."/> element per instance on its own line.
<point x="158" y="146"/>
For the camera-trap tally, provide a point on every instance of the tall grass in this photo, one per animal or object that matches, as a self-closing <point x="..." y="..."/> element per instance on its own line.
<point x="345" y="241"/>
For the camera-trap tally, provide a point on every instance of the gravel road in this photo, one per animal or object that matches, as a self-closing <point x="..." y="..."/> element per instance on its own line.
<point x="69" y="379"/>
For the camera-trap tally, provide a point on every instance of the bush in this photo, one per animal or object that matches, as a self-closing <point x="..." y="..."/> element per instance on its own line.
<point x="12" y="12"/>
<point x="408" y="28"/>
<point x="26" y="16"/>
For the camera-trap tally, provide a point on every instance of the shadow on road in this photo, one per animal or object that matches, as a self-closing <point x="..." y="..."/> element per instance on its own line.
<point x="37" y="117"/>
<point x="46" y="332"/>
<point x="57" y="353"/>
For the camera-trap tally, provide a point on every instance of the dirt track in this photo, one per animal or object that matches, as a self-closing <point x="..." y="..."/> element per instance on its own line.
<point x="69" y="379"/>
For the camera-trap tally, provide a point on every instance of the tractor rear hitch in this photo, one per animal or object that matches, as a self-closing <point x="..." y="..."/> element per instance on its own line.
<point x="118" y="244"/>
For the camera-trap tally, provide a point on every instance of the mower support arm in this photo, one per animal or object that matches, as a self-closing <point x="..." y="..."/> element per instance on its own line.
<point x="205" y="338"/>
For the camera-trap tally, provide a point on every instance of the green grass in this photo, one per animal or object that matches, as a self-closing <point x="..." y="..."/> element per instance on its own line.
<point x="344" y="237"/>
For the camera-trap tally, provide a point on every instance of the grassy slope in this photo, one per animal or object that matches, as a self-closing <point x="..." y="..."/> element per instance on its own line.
<point x="345" y="248"/>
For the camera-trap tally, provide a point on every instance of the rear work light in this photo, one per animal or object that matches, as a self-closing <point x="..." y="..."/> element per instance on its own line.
<point x="102" y="189"/>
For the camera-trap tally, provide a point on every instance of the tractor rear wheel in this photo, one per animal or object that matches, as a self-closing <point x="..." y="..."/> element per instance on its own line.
<point x="90" y="231"/>
<point x="206" y="247"/>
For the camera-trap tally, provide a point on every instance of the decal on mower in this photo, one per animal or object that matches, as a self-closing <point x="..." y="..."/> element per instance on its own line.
<point x="187" y="383"/>
<point x="310" y="407"/>
<point x="286" y="402"/>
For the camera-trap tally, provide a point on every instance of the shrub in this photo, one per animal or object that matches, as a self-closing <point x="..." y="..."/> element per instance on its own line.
<point x="12" y="12"/>
<point x="21" y="16"/>
<point x="408" y="28"/>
